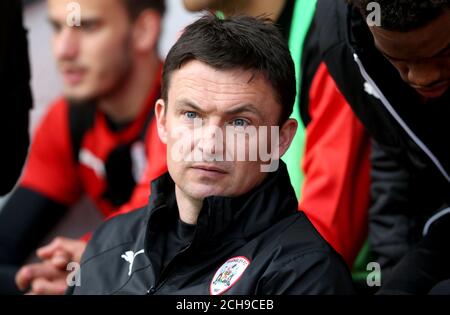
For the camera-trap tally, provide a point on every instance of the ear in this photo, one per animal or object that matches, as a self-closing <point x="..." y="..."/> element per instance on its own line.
<point x="161" y="121"/>
<point x="287" y="134"/>
<point x="146" y="30"/>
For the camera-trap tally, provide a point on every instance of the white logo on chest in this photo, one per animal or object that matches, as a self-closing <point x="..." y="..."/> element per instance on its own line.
<point x="129" y="256"/>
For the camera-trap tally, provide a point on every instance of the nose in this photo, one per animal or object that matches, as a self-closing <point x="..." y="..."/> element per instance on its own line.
<point x="211" y="141"/>
<point x="66" y="44"/>
<point x="423" y="74"/>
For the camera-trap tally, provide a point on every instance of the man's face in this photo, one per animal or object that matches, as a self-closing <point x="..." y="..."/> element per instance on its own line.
<point x="421" y="56"/>
<point x="217" y="99"/>
<point x="94" y="58"/>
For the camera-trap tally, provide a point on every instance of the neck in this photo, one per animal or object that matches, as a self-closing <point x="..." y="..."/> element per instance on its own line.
<point x="273" y="8"/>
<point x="188" y="207"/>
<point x="127" y="101"/>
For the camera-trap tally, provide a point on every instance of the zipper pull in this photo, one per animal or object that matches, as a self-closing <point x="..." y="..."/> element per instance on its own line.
<point x="151" y="291"/>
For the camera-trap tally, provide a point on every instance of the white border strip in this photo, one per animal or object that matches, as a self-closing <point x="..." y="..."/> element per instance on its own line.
<point x="400" y="120"/>
<point x="433" y="219"/>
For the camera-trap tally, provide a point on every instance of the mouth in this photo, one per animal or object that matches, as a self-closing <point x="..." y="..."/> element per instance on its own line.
<point x="73" y="76"/>
<point x="209" y="169"/>
<point x="434" y="92"/>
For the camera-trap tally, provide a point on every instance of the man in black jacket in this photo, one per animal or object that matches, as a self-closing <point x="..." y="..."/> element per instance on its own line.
<point x="16" y="93"/>
<point x="391" y="61"/>
<point x="222" y="220"/>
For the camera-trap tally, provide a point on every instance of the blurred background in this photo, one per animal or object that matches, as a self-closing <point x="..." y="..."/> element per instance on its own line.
<point x="47" y="86"/>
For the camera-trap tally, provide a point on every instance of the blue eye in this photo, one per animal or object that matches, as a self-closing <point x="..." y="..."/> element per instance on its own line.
<point x="240" y="123"/>
<point x="191" y="115"/>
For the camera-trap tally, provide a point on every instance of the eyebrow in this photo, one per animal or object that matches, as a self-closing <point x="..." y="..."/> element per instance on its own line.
<point x="83" y="21"/>
<point x="246" y="108"/>
<point x="188" y="103"/>
<point x="90" y="20"/>
<point x="400" y="59"/>
<point x="53" y="21"/>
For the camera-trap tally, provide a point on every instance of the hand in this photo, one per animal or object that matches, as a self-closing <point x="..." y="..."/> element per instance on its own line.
<point x="42" y="279"/>
<point x="61" y="251"/>
<point x="49" y="276"/>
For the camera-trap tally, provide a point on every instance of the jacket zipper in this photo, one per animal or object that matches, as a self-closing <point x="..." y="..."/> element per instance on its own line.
<point x="165" y="273"/>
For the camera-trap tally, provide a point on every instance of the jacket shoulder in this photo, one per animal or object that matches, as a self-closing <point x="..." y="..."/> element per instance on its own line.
<point x="304" y="263"/>
<point x="296" y="236"/>
<point x="330" y="23"/>
<point x="302" y="233"/>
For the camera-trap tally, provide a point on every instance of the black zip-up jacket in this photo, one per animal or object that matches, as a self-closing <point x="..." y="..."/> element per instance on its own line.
<point x="257" y="243"/>
<point x="411" y="153"/>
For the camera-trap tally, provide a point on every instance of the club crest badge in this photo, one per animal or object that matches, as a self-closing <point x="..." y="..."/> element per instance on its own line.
<point x="228" y="274"/>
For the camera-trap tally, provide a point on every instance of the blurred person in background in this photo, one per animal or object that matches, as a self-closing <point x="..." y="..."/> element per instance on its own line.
<point x="391" y="60"/>
<point x="98" y="140"/>
<point x="16" y="94"/>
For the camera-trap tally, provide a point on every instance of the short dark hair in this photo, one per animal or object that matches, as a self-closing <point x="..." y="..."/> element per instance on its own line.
<point x="405" y="15"/>
<point x="135" y="7"/>
<point x="237" y="42"/>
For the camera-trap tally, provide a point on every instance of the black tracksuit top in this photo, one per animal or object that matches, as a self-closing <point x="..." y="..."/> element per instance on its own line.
<point x="258" y="243"/>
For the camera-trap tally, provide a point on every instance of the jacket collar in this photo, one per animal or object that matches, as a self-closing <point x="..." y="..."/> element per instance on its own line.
<point x="226" y="218"/>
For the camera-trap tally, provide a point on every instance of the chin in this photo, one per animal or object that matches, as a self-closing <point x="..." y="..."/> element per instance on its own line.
<point x="202" y="192"/>
<point x="78" y="96"/>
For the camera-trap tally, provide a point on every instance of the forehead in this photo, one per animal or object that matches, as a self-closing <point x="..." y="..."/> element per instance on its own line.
<point x="60" y="9"/>
<point x="202" y="4"/>
<point x="421" y="43"/>
<point x="211" y="88"/>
